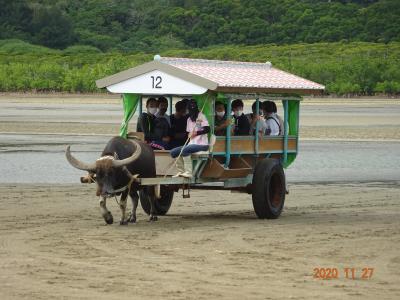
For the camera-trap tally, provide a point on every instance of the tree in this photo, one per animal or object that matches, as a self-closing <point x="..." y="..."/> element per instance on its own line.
<point x="51" y="27"/>
<point x="15" y="19"/>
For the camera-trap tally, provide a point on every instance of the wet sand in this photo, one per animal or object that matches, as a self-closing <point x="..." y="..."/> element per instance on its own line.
<point x="54" y="244"/>
<point x="345" y="119"/>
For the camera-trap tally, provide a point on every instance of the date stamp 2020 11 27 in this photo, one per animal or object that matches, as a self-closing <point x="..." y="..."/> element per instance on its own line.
<point x="347" y="273"/>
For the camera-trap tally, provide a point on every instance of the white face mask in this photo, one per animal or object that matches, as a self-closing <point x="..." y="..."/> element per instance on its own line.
<point x="152" y="110"/>
<point x="238" y="113"/>
<point x="220" y="113"/>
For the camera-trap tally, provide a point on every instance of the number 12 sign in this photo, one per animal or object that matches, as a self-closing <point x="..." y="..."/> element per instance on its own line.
<point x="156" y="82"/>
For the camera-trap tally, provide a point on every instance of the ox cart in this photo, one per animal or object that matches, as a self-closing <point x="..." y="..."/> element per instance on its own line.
<point x="252" y="164"/>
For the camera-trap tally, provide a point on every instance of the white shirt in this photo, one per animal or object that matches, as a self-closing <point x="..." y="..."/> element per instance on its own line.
<point x="196" y="126"/>
<point x="262" y="126"/>
<point x="272" y="124"/>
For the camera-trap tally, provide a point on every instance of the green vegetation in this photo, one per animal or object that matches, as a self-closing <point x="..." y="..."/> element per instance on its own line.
<point x="157" y="25"/>
<point x="345" y="68"/>
<point x="351" y="46"/>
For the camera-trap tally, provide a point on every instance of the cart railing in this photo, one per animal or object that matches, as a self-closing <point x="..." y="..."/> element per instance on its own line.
<point x="246" y="145"/>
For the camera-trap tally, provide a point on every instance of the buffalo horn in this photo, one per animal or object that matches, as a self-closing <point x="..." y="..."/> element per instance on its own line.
<point x="77" y="163"/>
<point x="132" y="158"/>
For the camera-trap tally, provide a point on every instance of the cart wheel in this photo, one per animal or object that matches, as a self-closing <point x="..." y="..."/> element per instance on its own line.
<point x="268" y="189"/>
<point x="162" y="205"/>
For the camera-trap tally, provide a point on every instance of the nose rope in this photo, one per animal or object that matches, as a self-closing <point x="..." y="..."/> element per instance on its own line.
<point x="128" y="186"/>
<point x="92" y="178"/>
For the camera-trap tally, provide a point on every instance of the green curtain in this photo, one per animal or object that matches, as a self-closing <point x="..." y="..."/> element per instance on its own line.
<point x="130" y="103"/>
<point x="293" y="113"/>
<point x="222" y="98"/>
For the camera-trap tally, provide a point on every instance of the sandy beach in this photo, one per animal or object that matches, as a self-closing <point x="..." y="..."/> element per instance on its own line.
<point x="54" y="244"/>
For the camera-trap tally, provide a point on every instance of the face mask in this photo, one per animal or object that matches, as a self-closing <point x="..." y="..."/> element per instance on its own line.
<point x="238" y="113"/>
<point x="220" y="113"/>
<point x="152" y="110"/>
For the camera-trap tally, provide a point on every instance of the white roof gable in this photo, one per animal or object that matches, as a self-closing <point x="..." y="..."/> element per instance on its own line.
<point x="183" y="76"/>
<point x="157" y="83"/>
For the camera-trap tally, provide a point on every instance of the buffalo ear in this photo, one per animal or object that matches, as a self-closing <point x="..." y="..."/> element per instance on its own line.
<point x="116" y="155"/>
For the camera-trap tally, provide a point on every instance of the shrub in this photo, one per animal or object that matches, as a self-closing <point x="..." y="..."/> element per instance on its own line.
<point x="81" y="49"/>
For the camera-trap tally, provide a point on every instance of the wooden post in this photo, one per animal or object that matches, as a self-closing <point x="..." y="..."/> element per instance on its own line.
<point x="257" y="126"/>
<point x="298" y="128"/>
<point x="140" y="105"/>
<point x="285" y="132"/>
<point x="170" y="105"/>
<point x="228" y="135"/>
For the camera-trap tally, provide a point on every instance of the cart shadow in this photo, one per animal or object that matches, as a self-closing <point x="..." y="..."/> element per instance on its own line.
<point x="208" y="216"/>
<point x="288" y="217"/>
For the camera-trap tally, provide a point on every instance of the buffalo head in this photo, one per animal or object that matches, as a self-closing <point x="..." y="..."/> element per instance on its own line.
<point x="108" y="170"/>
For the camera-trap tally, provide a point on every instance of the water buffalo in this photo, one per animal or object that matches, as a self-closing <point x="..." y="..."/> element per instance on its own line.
<point x="115" y="171"/>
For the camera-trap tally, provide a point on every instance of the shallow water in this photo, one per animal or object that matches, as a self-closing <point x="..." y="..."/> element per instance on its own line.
<point x="41" y="159"/>
<point x="339" y="161"/>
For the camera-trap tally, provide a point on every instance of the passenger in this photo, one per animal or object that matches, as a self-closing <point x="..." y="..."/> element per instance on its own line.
<point x="273" y="125"/>
<point x="253" y="118"/>
<point x="281" y="125"/>
<point x="162" y="109"/>
<point x="197" y="128"/>
<point x="162" y="125"/>
<point x="146" y="120"/>
<point x="147" y="125"/>
<point x="178" y="131"/>
<point x="186" y="102"/>
<point x="242" y="124"/>
<point x="221" y="122"/>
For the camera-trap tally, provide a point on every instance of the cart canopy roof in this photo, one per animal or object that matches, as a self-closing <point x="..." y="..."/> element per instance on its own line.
<point x="183" y="76"/>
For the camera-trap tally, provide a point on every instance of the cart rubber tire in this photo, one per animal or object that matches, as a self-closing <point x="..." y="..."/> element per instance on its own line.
<point x="268" y="189"/>
<point x="162" y="205"/>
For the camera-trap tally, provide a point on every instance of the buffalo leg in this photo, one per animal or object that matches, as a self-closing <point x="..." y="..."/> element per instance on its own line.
<point x="152" y="199"/>
<point x="105" y="212"/>
<point x="122" y="206"/>
<point x="135" y="200"/>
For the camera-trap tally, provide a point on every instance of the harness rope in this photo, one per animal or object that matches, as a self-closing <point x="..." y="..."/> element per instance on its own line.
<point x="128" y="186"/>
